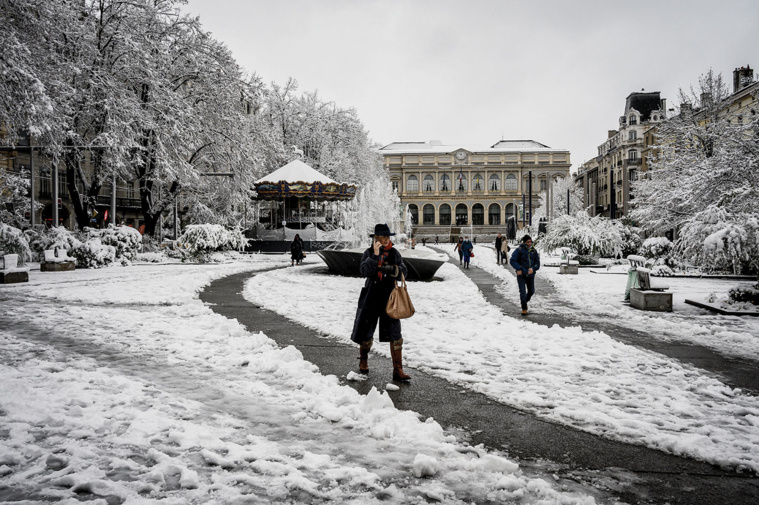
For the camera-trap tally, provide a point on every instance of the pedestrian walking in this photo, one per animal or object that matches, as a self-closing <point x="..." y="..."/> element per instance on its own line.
<point x="296" y="250"/>
<point x="435" y="239"/>
<point x="526" y="261"/>
<point x="498" y="255"/>
<point x="381" y="264"/>
<point x="457" y="247"/>
<point x="505" y="250"/>
<point x="468" y="251"/>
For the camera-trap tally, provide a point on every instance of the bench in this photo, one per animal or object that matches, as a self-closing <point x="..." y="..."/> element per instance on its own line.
<point x="650" y="293"/>
<point x="11" y="273"/>
<point x="57" y="261"/>
<point x="567" y="265"/>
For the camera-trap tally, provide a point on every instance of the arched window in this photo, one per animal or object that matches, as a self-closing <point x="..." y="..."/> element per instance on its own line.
<point x="445" y="214"/>
<point x="478" y="182"/>
<point x="494" y="214"/>
<point x="495" y="183"/>
<point x="461" y="182"/>
<point x="429" y="183"/>
<point x="478" y="214"/>
<point x="445" y="182"/>
<point x="412" y="184"/>
<point x="633" y="119"/>
<point x="461" y="214"/>
<point x="414" y="211"/>
<point x="511" y="183"/>
<point x="510" y="211"/>
<point x="428" y="214"/>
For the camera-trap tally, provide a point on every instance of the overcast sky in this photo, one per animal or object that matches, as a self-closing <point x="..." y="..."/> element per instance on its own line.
<point x="475" y="71"/>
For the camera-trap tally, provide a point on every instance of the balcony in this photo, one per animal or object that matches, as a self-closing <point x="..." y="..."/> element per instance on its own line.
<point x="121" y="202"/>
<point x="636" y="161"/>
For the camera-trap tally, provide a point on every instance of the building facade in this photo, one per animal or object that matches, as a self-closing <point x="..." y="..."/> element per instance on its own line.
<point x="606" y="179"/>
<point x="449" y="188"/>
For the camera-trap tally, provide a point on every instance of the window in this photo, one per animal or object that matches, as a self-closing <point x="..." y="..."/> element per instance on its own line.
<point x="429" y="183"/>
<point x="428" y="214"/>
<point x="412" y="184"/>
<point x="495" y="183"/>
<point x="511" y="211"/>
<point x="461" y="182"/>
<point x="511" y="182"/>
<point x="633" y="135"/>
<point x="445" y="182"/>
<point x="543" y="184"/>
<point x="494" y="214"/>
<point x="633" y="119"/>
<point x="478" y="214"/>
<point x="478" y="182"/>
<point x="445" y="214"/>
<point x="461" y="214"/>
<point x="632" y="155"/>
<point x="395" y="186"/>
<point x="414" y="211"/>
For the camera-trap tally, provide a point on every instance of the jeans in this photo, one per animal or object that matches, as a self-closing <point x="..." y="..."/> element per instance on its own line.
<point x="526" y="289"/>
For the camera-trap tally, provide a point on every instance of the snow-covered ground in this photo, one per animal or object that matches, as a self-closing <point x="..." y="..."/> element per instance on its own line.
<point x="120" y="386"/>
<point x="583" y="379"/>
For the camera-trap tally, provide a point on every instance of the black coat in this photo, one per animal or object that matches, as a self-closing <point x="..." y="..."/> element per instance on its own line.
<point x="373" y="299"/>
<point x="296" y="249"/>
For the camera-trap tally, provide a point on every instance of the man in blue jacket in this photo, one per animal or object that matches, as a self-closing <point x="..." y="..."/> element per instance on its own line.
<point x="526" y="261"/>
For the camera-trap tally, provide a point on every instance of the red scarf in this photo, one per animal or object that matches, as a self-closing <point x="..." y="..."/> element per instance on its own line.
<point x="384" y="253"/>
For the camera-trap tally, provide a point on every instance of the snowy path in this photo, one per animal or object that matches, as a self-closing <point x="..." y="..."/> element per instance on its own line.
<point x="120" y="386"/>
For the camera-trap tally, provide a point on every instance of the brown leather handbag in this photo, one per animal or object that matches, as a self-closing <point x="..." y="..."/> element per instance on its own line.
<point x="399" y="304"/>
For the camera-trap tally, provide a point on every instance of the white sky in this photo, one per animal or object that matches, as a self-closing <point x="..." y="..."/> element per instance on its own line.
<point x="477" y="71"/>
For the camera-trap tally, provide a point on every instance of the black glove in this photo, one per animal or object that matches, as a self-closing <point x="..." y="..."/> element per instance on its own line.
<point x="391" y="270"/>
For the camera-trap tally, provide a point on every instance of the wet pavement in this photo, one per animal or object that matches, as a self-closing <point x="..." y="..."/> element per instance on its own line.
<point x="630" y="473"/>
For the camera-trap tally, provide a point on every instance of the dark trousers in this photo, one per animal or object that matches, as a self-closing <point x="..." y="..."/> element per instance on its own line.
<point x="526" y="289"/>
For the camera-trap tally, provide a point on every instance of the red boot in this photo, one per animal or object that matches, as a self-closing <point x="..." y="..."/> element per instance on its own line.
<point x="396" y="352"/>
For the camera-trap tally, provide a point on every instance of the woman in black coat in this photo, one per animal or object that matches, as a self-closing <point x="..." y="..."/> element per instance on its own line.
<point x="296" y="250"/>
<point x="381" y="264"/>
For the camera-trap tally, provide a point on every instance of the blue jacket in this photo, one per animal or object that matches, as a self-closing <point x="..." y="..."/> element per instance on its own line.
<point x="467" y="248"/>
<point x="524" y="258"/>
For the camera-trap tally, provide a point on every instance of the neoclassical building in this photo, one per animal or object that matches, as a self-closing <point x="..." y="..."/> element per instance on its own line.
<point x="447" y="187"/>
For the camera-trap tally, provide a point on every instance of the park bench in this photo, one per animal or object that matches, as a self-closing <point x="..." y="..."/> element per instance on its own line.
<point x="650" y="293"/>
<point x="57" y="261"/>
<point x="11" y="272"/>
<point x="567" y="265"/>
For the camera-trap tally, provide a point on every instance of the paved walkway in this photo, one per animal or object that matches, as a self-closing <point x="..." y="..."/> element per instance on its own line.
<point x="733" y="371"/>
<point x="633" y="474"/>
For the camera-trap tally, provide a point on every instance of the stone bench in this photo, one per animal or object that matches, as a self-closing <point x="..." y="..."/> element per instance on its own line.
<point x="11" y="272"/>
<point x="567" y="265"/>
<point x="57" y="261"/>
<point x="651" y="293"/>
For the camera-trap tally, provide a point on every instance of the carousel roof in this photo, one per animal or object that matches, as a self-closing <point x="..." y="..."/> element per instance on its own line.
<point x="295" y="171"/>
<point x="300" y="180"/>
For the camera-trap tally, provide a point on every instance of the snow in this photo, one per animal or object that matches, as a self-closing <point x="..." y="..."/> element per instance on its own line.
<point x="583" y="379"/>
<point x="120" y="385"/>
<point x="295" y="171"/>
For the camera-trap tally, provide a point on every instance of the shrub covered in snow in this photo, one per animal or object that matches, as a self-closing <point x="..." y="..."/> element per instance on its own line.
<point x="56" y="237"/>
<point x="199" y="241"/>
<point x="748" y="294"/>
<point x="126" y="240"/>
<point x="13" y="241"/>
<point x="93" y="254"/>
<point x="631" y="240"/>
<point x="150" y="257"/>
<point x="656" y="248"/>
<point x="589" y="236"/>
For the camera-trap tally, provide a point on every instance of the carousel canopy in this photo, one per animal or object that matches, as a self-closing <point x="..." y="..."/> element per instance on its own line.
<point x="300" y="180"/>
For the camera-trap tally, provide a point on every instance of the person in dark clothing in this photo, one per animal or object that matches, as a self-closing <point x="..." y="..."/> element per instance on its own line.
<point x="296" y="251"/>
<point x="381" y="264"/>
<point x="466" y="249"/>
<point x="526" y="261"/>
<point x="498" y="256"/>
<point x="457" y="247"/>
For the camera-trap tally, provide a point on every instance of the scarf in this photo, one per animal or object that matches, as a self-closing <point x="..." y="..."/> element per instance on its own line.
<point x="384" y="253"/>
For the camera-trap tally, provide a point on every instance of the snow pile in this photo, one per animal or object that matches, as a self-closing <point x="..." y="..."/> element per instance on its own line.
<point x="126" y="240"/>
<point x="199" y="241"/>
<point x="167" y="401"/>
<point x="13" y="241"/>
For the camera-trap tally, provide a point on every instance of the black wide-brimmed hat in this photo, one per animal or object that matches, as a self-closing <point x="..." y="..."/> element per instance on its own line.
<point x="382" y="230"/>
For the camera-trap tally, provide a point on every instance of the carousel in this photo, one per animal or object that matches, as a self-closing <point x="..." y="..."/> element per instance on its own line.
<point x="296" y="199"/>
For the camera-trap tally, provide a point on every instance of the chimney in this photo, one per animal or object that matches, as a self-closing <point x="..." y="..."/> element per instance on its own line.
<point x="742" y="77"/>
<point x="611" y="133"/>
